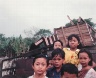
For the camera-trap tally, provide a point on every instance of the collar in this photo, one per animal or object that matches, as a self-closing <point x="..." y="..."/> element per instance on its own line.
<point x="77" y="50"/>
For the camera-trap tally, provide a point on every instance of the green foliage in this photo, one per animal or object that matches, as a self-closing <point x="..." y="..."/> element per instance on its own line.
<point x="42" y="33"/>
<point x="89" y="21"/>
<point x="69" y="24"/>
<point x="13" y="45"/>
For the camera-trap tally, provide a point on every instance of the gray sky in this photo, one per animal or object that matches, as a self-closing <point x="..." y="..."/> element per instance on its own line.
<point x="19" y="15"/>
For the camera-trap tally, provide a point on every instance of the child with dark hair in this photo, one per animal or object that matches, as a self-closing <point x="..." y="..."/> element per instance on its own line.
<point x="40" y="64"/>
<point x="69" y="71"/>
<point x="58" y="56"/>
<point x="57" y="44"/>
<point x="72" y="49"/>
<point x="85" y="59"/>
<point x="50" y="62"/>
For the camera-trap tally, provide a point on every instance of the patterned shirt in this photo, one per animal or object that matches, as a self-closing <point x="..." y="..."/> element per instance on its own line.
<point x="71" y="56"/>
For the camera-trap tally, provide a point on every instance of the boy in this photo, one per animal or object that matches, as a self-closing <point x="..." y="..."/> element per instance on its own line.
<point x="69" y="71"/>
<point x="58" y="56"/>
<point x="40" y="64"/>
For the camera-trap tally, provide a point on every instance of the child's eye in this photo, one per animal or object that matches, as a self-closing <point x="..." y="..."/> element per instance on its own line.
<point x="58" y="59"/>
<point x="85" y="58"/>
<point x="43" y="64"/>
<point x="37" y="64"/>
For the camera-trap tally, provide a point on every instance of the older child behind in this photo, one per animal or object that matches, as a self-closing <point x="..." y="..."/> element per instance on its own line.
<point x="72" y="49"/>
<point x="58" y="56"/>
<point x="39" y="65"/>
<point x="69" y="71"/>
<point x="58" y="44"/>
<point x="85" y="59"/>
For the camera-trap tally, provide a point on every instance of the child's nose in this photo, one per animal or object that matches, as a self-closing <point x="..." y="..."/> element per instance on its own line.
<point x="40" y="66"/>
<point x="56" y="60"/>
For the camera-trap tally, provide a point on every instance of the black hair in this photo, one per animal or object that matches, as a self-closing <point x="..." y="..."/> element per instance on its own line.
<point x="59" y="52"/>
<point x="49" y="58"/>
<point x="77" y="37"/>
<point x="89" y="55"/>
<point x="40" y="56"/>
<point x="58" y="41"/>
<point x="70" y="68"/>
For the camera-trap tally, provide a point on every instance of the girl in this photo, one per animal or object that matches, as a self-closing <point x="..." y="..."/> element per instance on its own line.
<point x="58" y="44"/>
<point x="85" y="59"/>
<point x="39" y="65"/>
<point x="72" y="49"/>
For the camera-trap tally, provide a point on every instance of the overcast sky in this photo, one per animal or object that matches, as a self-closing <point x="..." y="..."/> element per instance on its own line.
<point x="19" y="15"/>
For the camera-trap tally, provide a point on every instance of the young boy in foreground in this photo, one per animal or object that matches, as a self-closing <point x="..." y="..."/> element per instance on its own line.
<point x="58" y="56"/>
<point x="40" y="64"/>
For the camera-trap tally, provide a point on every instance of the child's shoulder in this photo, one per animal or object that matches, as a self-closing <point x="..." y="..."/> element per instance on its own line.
<point x="51" y="69"/>
<point x="91" y="73"/>
<point x="50" y="72"/>
<point x="92" y="70"/>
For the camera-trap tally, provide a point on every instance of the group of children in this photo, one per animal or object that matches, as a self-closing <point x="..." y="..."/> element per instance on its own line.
<point x="65" y="61"/>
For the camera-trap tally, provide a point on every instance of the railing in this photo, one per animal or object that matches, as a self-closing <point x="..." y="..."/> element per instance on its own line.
<point x="11" y="70"/>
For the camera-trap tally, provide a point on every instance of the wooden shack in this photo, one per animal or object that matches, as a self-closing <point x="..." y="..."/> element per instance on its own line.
<point x="85" y="32"/>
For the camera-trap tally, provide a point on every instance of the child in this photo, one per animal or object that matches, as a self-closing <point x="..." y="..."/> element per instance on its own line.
<point x="85" y="59"/>
<point x="58" y="56"/>
<point x="73" y="48"/>
<point x="39" y="65"/>
<point x="69" y="71"/>
<point x="57" y="44"/>
<point x="50" y="63"/>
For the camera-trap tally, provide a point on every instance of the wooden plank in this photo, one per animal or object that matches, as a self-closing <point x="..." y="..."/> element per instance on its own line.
<point x="60" y="35"/>
<point x="64" y="37"/>
<point x="61" y="38"/>
<point x="81" y="30"/>
<point x="70" y="29"/>
<point x="80" y="34"/>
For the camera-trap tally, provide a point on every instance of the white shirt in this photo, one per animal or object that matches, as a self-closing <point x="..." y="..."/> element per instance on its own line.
<point x="33" y="77"/>
<point x="91" y="74"/>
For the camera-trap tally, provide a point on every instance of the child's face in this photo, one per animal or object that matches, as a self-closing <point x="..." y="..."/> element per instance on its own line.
<point x="57" y="61"/>
<point x="40" y="66"/>
<point x="68" y="75"/>
<point x="57" y="45"/>
<point x="84" y="59"/>
<point x="50" y="64"/>
<point x="73" y="43"/>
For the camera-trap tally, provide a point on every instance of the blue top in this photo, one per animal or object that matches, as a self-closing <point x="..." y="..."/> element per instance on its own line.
<point x="52" y="73"/>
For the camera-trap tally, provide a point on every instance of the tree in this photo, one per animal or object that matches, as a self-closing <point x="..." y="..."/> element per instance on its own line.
<point x="69" y="24"/>
<point x="89" y="21"/>
<point x="36" y="33"/>
<point x="42" y="33"/>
